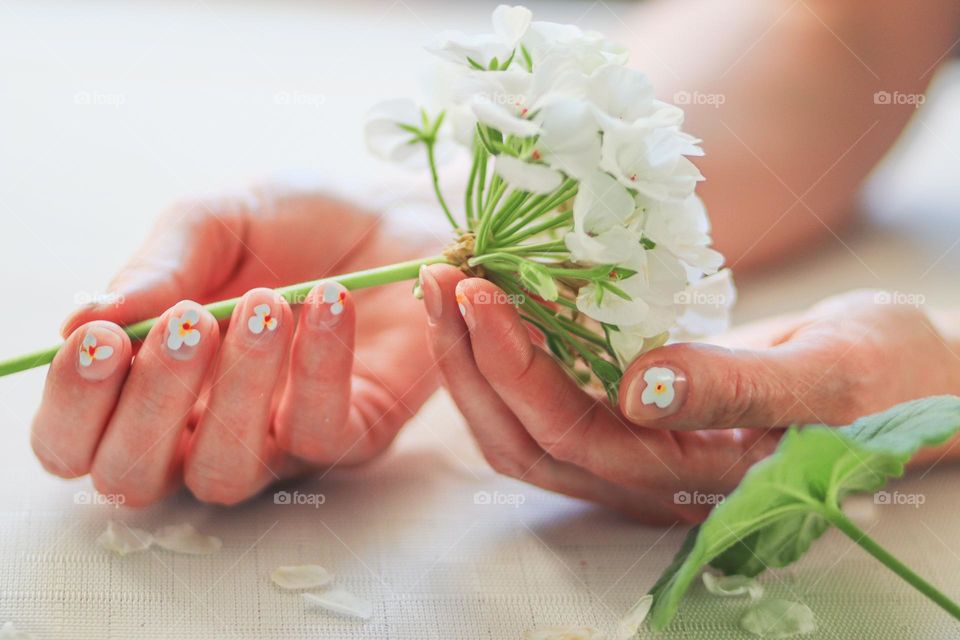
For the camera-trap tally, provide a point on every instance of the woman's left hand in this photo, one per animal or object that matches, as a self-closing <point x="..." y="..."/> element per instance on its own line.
<point x="692" y="417"/>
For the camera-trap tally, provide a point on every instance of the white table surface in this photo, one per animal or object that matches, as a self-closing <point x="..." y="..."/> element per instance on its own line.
<point x="108" y="112"/>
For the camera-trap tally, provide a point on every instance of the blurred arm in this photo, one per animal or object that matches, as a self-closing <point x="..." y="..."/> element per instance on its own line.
<point x="798" y="128"/>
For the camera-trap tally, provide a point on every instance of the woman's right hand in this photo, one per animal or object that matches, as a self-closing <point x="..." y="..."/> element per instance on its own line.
<point x="226" y="410"/>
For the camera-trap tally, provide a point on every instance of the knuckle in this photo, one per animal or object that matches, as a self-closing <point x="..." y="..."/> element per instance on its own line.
<point x="215" y="485"/>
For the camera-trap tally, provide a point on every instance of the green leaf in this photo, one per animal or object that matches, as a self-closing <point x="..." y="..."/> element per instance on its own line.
<point x="536" y="278"/>
<point x="787" y="501"/>
<point x="609" y="376"/>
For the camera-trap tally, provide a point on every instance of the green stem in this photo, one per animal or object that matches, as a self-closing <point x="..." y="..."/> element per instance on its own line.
<point x="840" y="521"/>
<point x="431" y="159"/>
<point x="294" y="294"/>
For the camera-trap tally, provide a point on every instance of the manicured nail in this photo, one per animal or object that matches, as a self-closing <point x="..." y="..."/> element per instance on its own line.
<point x="659" y="393"/>
<point x="431" y="295"/>
<point x="466" y="310"/>
<point x="327" y="312"/>
<point x="183" y="334"/>
<point x="99" y="349"/>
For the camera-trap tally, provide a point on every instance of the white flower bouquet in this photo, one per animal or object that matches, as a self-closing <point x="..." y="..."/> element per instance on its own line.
<point x="580" y="201"/>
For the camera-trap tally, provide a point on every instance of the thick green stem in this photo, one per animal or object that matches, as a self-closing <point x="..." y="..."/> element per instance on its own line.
<point x="852" y="531"/>
<point x="294" y="294"/>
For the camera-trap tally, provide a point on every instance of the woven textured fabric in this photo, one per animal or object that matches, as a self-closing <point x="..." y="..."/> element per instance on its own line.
<point x="442" y="547"/>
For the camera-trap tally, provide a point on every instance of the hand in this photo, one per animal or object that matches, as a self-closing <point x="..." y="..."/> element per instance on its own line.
<point x="844" y="358"/>
<point x="228" y="410"/>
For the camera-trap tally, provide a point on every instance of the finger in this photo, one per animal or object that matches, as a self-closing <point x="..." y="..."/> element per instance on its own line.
<point x="229" y="459"/>
<point x="81" y="390"/>
<point x="566" y="422"/>
<point x="189" y="252"/>
<point x="315" y="407"/>
<point x="138" y="453"/>
<point x="502" y="439"/>
<point x="697" y="386"/>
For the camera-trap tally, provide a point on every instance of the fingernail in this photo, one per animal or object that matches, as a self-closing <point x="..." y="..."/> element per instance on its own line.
<point x="260" y="316"/>
<point x="183" y="331"/>
<point x="99" y="353"/>
<point x="327" y="305"/>
<point x="431" y="295"/>
<point x="466" y="310"/>
<point x="658" y="393"/>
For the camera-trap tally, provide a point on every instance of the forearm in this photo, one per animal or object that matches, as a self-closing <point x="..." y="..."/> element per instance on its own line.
<point x="782" y="94"/>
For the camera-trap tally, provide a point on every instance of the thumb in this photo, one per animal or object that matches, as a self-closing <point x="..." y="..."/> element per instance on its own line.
<point x="191" y="250"/>
<point x="699" y="386"/>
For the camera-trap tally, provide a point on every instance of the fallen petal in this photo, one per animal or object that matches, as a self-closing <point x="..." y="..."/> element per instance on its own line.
<point x="779" y="619"/>
<point x="183" y="538"/>
<point x="732" y="586"/>
<point x="342" y="602"/>
<point x="630" y="623"/>
<point x="562" y="633"/>
<point x="121" y="539"/>
<point x="305" y="576"/>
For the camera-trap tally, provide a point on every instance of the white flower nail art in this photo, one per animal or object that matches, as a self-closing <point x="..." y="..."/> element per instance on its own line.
<point x="261" y="319"/>
<point x="659" y="390"/>
<point x="461" y="305"/>
<point x="182" y="330"/>
<point x="334" y="296"/>
<point x="90" y="350"/>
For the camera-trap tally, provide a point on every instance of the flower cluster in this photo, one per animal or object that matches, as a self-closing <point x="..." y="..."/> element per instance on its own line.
<point x="581" y="190"/>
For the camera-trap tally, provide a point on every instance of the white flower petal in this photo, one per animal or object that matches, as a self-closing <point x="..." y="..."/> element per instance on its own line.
<point x="705" y="306"/>
<point x="89" y="340"/>
<point x="612" y="308"/>
<point x="305" y="576"/>
<point x="569" y="138"/>
<point x="779" y="619"/>
<point x="331" y="293"/>
<point x="183" y="538"/>
<point x="732" y="585"/>
<point x="121" y="539"/>
<point x="510" y="24"/>
<point x="255" y="324"/>
<point x="385" y="138"/>
<point x="173" y="324"/>
<point x="562" y="633"/>
<point x="102" y="352"/>
<point x="271" y="324"/>
<point x="630" y="623"/>
<point x="601" y="204"/>
<point x="262" y="309"/>
<point x="525" y="176"/>
<point x="85" y="359"/>
<point x="502" y="118"/>
<point x="191" y="338"/>
<point x="175" y="340"/>
<point x="342" y="602"/>
<point x="191" y="317"/>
